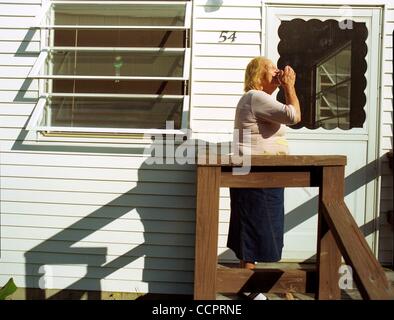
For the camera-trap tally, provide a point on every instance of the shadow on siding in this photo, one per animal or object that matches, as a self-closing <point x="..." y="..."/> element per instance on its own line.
<point x="178" y="252"/>
<point x="181" y="254"/>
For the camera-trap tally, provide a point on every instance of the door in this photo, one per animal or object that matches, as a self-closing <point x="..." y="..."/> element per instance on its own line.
<point x="335" y="53"/>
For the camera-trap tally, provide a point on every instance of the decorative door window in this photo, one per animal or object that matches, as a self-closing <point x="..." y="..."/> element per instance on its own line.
<point x="330" y="64"/>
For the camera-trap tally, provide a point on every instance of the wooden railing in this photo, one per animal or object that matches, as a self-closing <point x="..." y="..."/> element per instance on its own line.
<point x="338" y="233"/>
<point x="369" y="275"/>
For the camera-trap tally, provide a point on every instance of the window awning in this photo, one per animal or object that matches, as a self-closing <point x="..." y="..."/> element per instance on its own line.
<point x="177" y="60"/>
<point x="123" y="107"/>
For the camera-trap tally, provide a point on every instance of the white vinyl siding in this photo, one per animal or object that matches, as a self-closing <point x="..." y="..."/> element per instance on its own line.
<point x="386" y="237"/>
<point x="91" y="211"/>
<point x="218" y="67"/>
<point x="78" y="202"/>
<point x="59" y="203"/>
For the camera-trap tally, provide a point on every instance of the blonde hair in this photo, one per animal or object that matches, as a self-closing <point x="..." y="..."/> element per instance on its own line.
<point x="253" y="73"/>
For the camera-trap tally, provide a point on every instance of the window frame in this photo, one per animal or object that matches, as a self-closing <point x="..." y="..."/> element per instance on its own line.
<point x="36" y="72"/>
<point x="46" y="11"/>
<point x="329" y="56"/>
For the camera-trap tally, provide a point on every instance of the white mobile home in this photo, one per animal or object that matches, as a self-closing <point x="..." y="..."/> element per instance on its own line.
<point x="84" y="84"/>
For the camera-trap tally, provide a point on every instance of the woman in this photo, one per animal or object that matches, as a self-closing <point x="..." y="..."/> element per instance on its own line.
<point x="257" y="215"/>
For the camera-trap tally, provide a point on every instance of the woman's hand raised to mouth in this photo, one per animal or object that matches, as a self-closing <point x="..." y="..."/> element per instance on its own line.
<point x="287" y="77"/>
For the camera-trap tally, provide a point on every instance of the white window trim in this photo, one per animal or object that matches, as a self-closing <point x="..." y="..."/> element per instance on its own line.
<point x="108" y="130"/>
<point x="38" y="66"/>
<point x="35" y="70"/>
<point x="108" y="2"/>
<point x="186" y="64"/>
<point x="112" y="27"/>
<point x="42" y="14"/>
<point x="188" y="15"/>
<point x="116" y="49"/>
<point x="39" y="20"/>
<point x="35" y="116"/>
<point x="185" y="114"/>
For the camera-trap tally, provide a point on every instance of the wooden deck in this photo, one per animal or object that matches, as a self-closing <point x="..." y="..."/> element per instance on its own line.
<point x="338" y="233"/>
<point x="294" y="293"/>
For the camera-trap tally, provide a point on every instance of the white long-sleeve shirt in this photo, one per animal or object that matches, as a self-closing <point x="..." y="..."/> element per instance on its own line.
<point x="266" y="118"/>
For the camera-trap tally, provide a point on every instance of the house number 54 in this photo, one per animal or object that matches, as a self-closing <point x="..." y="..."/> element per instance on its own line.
<point x="227" y="36"/>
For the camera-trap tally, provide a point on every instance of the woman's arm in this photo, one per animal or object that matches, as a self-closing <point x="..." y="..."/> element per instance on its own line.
<point x="265" y="107"/>
<point x="287" y="81"/>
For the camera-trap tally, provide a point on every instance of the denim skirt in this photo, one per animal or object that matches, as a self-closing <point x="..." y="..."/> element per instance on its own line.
<point x="256" y="224"/>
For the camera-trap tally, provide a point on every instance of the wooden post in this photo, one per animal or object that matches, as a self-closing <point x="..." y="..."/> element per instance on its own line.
<point x="207" y="223"/>
<point x="328" y="255"/>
